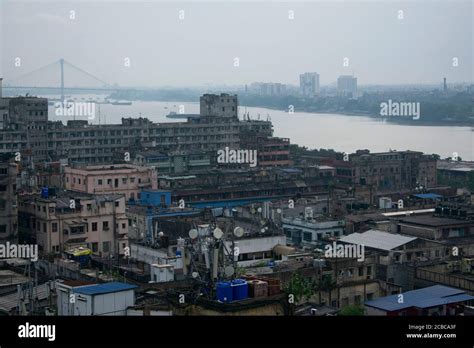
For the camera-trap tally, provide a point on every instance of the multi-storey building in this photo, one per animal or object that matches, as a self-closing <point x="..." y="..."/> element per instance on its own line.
<point x="126" y="179"/>
<point x="309" y="83"/>
<point x="217" y="127"/>
<point x="393" y="170"/>
<point x="347" y="85"/>
<point x="271" y="151"/>
<point x="23" y="128"/>
<point x="8" y="198"/>
<point x="75" y="219"/>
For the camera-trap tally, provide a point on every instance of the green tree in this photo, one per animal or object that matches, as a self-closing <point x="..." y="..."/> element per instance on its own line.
<point x="300" y="287"/>
<point x="352" y="310"/>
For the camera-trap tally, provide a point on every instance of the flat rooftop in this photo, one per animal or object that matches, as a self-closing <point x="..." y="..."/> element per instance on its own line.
<point x="434" y="221"/>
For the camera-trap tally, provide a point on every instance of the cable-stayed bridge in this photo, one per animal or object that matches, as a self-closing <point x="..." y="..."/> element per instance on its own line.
<point x="29" y="80"/>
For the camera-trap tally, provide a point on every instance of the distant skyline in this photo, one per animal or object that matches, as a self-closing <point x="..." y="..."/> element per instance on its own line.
<point x="201" y="48"/>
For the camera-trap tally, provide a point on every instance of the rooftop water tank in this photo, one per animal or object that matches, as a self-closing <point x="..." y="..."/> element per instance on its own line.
<point x="224" y="292"/>
<point x="240" y="289"/>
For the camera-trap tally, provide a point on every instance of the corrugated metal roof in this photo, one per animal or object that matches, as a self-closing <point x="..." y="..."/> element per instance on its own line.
<point x="104" y="288"/>
<point x="10" y="301"/>
<point x="422" y="298"/>
<point x="377" y="239"/>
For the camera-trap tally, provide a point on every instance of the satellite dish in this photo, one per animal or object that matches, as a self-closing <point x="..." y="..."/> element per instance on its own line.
<point x="193" y="233"/>
<point x="195" y="274"/>
<point x="263" y="230"/>
<point x="218" y="233"/>
<point x="279" y="211"/>
<point x="238" y="231"/>
<point x="259" y="210"/>
<point x="161" y="234"/>
<point x="229" y="271"/>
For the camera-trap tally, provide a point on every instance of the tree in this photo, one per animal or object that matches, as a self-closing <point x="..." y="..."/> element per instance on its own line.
<point x="352" y="310"/>
<point x="300" y="287"/>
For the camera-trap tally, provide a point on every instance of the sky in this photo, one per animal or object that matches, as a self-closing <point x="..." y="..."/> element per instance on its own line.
<point x="236" y="42"/>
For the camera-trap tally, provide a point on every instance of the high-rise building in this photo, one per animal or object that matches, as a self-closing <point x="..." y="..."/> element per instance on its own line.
<point x="347" y="85"/>
<point x="309" y="83"/>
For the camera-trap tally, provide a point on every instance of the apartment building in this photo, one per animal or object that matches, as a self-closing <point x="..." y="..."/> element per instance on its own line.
<point x="393" y="170"/>
<point x="216" y="127"/>
<point x="125" y="179"/>
<point x="23" y="127"/>
<point x="8" y="198"/>
<point x="75" y="219"/>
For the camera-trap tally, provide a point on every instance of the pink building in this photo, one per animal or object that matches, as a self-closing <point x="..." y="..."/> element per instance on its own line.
<point x="74" y="219"/>
<point x="124" y="179"/>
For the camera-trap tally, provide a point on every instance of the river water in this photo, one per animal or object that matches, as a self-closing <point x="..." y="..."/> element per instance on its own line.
<point x="328" y="131"/>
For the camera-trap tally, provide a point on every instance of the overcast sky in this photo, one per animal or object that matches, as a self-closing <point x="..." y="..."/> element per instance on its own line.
<point x="201" y="48"/>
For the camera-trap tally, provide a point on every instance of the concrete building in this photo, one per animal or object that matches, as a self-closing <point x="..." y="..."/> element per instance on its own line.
<point x="393" y="170"/>
<point x="347" y="85"/>
<point x="175" y="162"/>
<point x="125" y="179"/>
<point x="73" y="219"/>
<point x="271" y="151"/>
<point x="97" y="299"/>
<point x="215" y="128"/>
<point x="310" y="232"/>
<point x="224" y="105"/>
<point x="309" y="84"/>
<point x="268" y="88"/>
<point x="23" y="128"/>
<point x="8" y="198"/>
<point x="436" y="227"/>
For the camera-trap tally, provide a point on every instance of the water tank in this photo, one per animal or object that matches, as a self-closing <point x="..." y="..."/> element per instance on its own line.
<point x="224" y="292"/>
<point x="240" y="289"/>
<point x="44" y="192"/>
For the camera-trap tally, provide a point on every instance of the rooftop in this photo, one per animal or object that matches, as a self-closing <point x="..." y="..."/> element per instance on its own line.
<point x="432" y="296"/>
<point x="105" y="288"/>
<point x="433" y="221"/>
<point x="377" y="239"/>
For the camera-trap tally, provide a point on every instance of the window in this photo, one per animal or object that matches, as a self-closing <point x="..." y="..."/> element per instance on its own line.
<point x="361" y="271"/>
<point x="105" y="225"/>
<point x="89" y="207"/>
<point x="3" y="228"/>
<point x="109" y="181"/>
<point x="357" y="299"/>
<point x="3" y="204"/>
<point x="307" y="236"/>
<point x="124" y="226"/>
<point x="44" y="227"/>
<point x="132" y="180"/>
<point x="105" y="247"/>
<point x="3" y="188"/>
<point x="94" y="227"/>
<point x="117" y="204"/>
<point x="99" y="182"/>
<point x="95" y="247"/>
<point x="124" y="181"/>
<point x="54" y="227"/>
